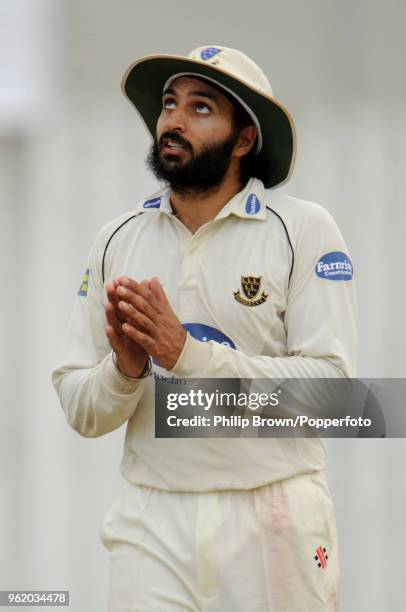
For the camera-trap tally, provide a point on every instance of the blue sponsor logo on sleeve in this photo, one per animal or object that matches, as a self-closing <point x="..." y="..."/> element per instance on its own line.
<point x="204" y="333"/>
<point x="155" y="203"/>
<point x="334" y="266"/>
<point x="252" y="205"/>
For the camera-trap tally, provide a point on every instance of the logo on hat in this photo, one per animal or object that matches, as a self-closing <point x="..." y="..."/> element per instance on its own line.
<point x="251" y="286"/>
<point x="209" y="52"/>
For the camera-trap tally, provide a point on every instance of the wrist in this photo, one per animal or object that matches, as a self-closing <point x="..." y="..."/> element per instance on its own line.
<point x="144" y="373"/>
<point x="176" y="352"/>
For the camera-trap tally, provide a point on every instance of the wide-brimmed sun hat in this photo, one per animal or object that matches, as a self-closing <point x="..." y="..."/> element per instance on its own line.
<point x="145" y="79"/>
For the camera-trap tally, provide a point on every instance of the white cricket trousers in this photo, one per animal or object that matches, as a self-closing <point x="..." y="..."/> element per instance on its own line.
<point x="270" y="549"/>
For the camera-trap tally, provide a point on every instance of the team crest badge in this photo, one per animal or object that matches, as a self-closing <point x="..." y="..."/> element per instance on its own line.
<point x="251" y="291"/>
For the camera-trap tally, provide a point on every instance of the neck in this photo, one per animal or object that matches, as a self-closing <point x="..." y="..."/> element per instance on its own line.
<point x="195" y="207"/>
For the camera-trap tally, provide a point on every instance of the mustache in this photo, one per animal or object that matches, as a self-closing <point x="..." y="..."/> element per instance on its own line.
<point x="176" y="138"/>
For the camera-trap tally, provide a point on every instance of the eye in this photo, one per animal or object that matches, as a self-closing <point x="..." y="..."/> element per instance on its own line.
<point x="168" y="103"/>
<point x="202" y="108"/>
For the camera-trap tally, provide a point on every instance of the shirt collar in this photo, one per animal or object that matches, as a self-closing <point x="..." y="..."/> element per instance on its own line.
<point x="249" y="203"/>
<point x="159" y="201"/>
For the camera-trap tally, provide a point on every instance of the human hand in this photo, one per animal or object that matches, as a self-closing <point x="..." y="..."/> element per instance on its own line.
<point x="131" y="357"/>
<point x="150" y="321"/>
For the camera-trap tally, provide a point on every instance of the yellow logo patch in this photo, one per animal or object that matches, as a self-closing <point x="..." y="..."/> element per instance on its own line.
<point x="85" y="284"/>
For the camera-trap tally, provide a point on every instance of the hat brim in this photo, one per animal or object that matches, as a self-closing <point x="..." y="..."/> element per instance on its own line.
<point x="143" y="84"/>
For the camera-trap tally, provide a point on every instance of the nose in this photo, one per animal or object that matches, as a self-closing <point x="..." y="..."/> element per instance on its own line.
<point x="176" y="120"/>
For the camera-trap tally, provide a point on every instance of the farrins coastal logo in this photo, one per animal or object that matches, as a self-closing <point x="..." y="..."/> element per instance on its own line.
<point x="334" y="266"/>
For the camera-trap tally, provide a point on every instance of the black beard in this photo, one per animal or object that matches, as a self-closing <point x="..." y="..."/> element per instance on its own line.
<point x="202" y="173"/>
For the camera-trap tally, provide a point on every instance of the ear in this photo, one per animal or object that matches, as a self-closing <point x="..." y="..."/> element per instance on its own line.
<point x="246" y="141"/>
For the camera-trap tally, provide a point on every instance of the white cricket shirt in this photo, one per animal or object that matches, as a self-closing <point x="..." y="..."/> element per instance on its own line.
<point x="265" y="290"/>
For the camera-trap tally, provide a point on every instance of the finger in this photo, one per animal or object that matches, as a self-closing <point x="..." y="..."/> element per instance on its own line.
<point x="144" y="283"/>
<point x="137" y="301"/>
<point x="111" y="295"/>
<point x="112" y="319"/>
<point x="116" y="284"/>
<point x="110" y="290"/>
<point x="158" y="291"/>
<point x="141" y="290"/>
<point x="113" y="299"/>
<point x="147" y="343"/>
<point x="142" y="322"/>
<point x="112" y="337"/>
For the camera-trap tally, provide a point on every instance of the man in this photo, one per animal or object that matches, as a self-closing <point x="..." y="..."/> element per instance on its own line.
<point x="213" y="276"/>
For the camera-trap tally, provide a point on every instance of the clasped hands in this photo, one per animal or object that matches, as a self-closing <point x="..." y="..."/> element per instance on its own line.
<point x="141" y="323"/>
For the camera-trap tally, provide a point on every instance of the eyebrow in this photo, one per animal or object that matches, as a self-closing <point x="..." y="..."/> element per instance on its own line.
<point x="202" y="94"/>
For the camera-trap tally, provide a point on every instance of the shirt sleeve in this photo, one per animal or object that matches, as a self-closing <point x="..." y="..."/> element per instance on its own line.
<point x="320" y="317"/>
<point x="94" y="395"/>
